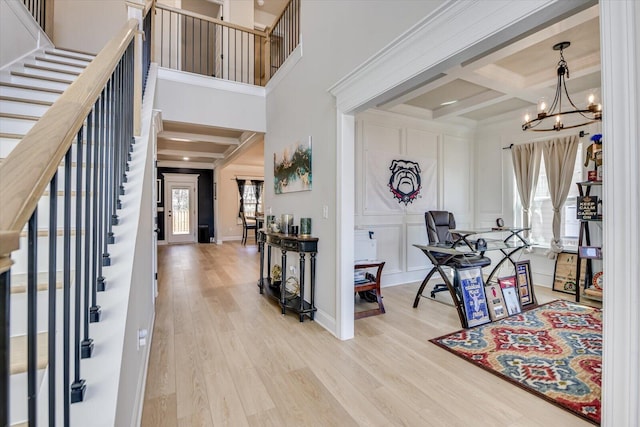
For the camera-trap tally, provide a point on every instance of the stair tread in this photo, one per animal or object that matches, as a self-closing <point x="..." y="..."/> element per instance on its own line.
<point x="29" y="87"/>
<point x="25" y="100"/>
<point x="55" y="61"/>
<point x="18" y="355"/>
<point x="19" y="116"/>
<point x="40" y="287"/>
<point x="44" y="232"/>
<point x="51" y="69"/>
<point x="67" y="55"/>
<point x="43" y="78"/>
<point x="11" y="135"/>
<point x="19" y="281"/>
<point x="70" y="50"/>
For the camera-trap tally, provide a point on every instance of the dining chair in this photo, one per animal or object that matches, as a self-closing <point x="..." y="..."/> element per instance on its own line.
<point x="246" y="226"/>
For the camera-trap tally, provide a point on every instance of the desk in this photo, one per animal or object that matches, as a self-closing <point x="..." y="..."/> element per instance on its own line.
<point x="440" y="254"/>
<point x="288" y="243"/>
<point x="514" y="242"/>
<point x="369" y="283"/>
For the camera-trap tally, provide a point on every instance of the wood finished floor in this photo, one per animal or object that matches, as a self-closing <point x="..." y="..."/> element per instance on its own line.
<point x="223" y="355"/>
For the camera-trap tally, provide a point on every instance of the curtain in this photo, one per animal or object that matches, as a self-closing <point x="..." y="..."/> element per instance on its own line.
<point x="240" y="183"/>
<point x="257" y="184"/>
<point x="559" y="160"/>
<point x="526" y="166"/>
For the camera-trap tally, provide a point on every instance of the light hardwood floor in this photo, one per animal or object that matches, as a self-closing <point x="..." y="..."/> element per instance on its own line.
<point x="222" y="354"/>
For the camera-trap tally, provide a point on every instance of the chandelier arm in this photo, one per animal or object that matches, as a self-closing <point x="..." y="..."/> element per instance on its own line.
<point x="566" y="91"/>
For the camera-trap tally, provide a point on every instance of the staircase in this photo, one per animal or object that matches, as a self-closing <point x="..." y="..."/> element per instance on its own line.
<point x="27" y="90"/>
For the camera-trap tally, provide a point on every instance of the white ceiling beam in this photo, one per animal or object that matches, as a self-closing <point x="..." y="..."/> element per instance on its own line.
<point x="187" y="153"/>
<point x="198" y="137"/>
<point x="184" y="164"/>
<point x="233" y="153"/>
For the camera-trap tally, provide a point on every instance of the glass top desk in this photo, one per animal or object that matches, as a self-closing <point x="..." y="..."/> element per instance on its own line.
<point x="439" y="254"/>
<point x="512" y="243"/>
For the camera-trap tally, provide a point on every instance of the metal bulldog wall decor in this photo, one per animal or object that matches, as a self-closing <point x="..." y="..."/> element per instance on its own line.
<point x="404" y="182"/>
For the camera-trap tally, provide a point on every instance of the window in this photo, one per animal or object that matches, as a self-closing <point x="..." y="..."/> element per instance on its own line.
<point x="252" y="203"/>
<point x="542" y="211"/>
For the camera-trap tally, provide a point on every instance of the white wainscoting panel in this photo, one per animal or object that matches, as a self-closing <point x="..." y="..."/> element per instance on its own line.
<point x="457" y="179"/>
<point x="382" y="137"/>
<point x="424" y="145"/>
<point x="416" y="260"/>
<point x="390" y="241"/>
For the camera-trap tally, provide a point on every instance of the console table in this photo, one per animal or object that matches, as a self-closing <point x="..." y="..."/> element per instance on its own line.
<point x="288" y="243"/>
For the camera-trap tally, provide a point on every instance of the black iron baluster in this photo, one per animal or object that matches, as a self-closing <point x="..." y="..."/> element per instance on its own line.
<point x="78" y="387"/>
<point x="53" y="243"/>
<point x="193" y="52"/>
<point x="87" y="343"/>
<point x="97" y="279"/>
<point x="5" y="304"/>
<point x="102" y="246"/>
<point x="110" y="198"/>
<point x="32" y="316"/>
<point x="66" y="283"/>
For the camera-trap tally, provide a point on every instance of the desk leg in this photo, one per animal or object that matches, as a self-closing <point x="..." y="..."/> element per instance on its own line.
<point x="283" y="282"/>
<point x="422" y="285"/>
<point x="302" y="262"/>
<point x="506" y="256"/>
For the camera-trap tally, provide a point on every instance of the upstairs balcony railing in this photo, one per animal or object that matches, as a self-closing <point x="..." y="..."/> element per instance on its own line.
<point x="284" y="36"/>
<point x="42" y="12"/>
<point x="187" y="41"/>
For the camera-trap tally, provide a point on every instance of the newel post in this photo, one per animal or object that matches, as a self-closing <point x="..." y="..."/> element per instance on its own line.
<point x="135" y="10"/>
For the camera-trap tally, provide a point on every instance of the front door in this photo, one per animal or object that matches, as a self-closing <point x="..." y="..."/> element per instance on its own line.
<point x="181" y="212"/>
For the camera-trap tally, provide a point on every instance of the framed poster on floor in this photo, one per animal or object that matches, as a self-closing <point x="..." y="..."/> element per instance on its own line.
<point x="473" y="297"/>
<point x="525" y="284"/>
<point x="495" y="302"/>
<point x="510" y="294"/>
<point x="564" y="273"/>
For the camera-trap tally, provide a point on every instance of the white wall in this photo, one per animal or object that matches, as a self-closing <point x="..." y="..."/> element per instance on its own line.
<point x="190" y="98"/>
<point x="495" y="191"/>
<point x="96" y="21"/>
<point x="239" y="12"/>
<point x="229" y="227"/>
<point x="20" y="33"/>
<point x="397" y="228"/>
<point x="335" y="40"/>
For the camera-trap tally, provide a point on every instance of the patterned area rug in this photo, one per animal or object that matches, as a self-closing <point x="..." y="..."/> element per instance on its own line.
<point x="553" y="351"/>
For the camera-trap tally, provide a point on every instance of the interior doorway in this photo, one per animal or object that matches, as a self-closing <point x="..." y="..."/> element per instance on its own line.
<point x="181" y="217"/>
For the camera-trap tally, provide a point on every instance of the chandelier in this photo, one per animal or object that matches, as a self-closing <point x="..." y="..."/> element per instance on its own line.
<point x="550" y="117"/>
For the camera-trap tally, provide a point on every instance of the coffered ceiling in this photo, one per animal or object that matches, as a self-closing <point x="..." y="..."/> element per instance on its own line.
<point x="511" y="78"/>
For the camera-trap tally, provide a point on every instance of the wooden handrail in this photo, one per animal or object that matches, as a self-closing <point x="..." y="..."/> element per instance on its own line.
<point x="210" y="19"/>
<point x="28" y="169"/>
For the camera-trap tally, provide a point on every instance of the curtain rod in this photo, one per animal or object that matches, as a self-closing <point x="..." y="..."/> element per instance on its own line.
<point x="582" y="134"/>
<point x="247" y="177"/>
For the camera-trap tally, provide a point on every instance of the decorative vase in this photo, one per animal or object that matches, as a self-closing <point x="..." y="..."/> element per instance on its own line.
<point x="286" y="221"/>
<point x="305" y="227"/>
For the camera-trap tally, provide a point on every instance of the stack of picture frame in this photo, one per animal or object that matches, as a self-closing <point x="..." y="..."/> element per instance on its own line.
<point x="494" y="301"/>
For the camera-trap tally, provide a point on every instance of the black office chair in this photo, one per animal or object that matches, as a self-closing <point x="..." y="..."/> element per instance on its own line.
<point x="246" y="227"/>
<point x="439" y="225"/>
